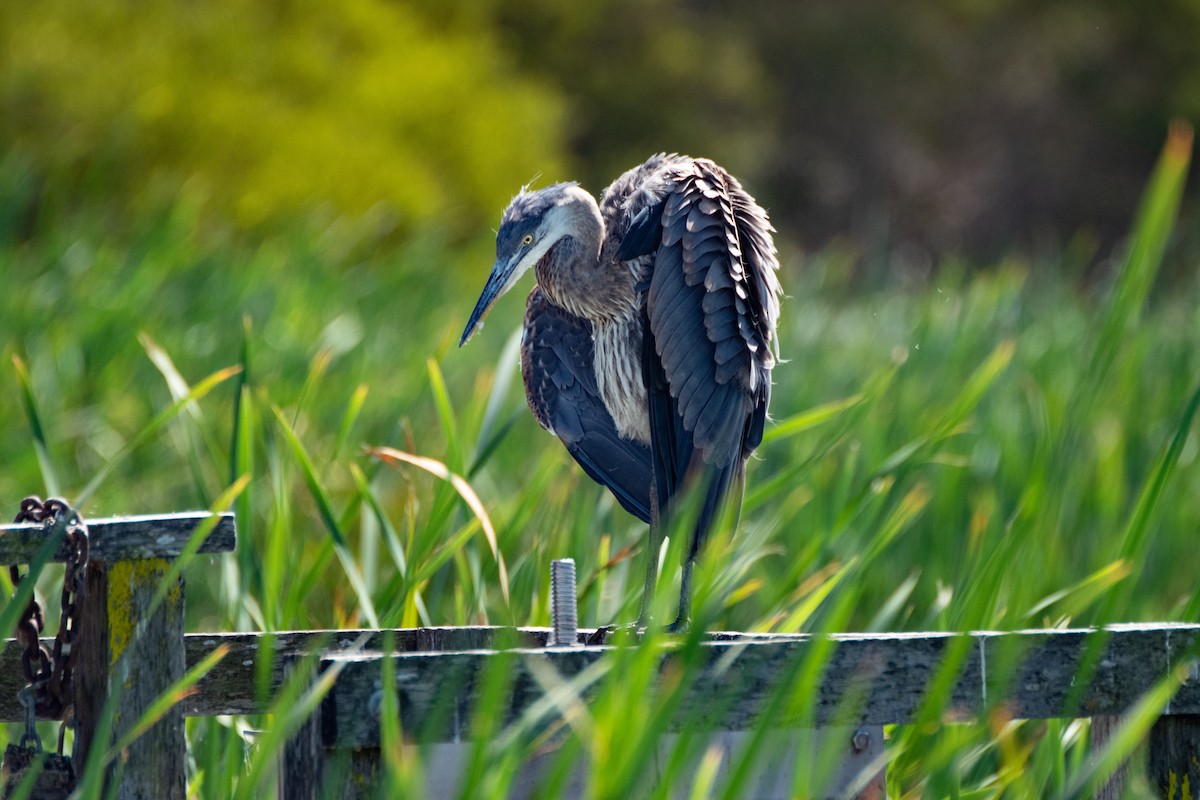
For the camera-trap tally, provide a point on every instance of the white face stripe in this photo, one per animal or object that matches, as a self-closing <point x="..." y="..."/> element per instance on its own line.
<point x="540" y="248"/>
<point x="552" y="230"/>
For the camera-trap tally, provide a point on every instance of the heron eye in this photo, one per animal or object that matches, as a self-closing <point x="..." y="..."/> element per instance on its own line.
<point x="528" y="239"/>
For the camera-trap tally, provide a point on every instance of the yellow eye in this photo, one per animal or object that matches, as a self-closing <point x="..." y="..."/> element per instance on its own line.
<point x="528" y="239"/>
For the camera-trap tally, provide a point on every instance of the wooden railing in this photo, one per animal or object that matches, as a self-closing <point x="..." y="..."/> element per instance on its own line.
<point x="868" y="681"/>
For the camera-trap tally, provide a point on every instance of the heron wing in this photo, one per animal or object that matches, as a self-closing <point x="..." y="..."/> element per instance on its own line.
<point x="560" y="384"/>
<point x="711" y="307"/>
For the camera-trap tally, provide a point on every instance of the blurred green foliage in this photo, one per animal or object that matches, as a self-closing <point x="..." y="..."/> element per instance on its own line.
<point x="266" y="110"/>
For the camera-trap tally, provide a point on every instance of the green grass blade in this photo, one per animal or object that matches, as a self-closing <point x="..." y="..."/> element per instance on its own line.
<point x="1148" y="243"/>
<point x="240" y="451"/>
<point x="507" y="368"/>
<point x="194" y="433"/>
<point x="488" y="448"/>
<point x="1134" y="538"/>
<point x="340" y="545"/>
<point x="846" y="420"/>
<point x="317" y="368"/>
<point x="445" y="413"/>
<point x="243" y="461"/>
<point x="40" y="446"/>
<point x="393" y="457"/>
<point x="309" y="472"/>
<point x="351" y="416"/>
<point x="1151" y="232"/>
<point x="952" y="421"/>
<point x="813" y="417"/>
<point x="390" y="537"/>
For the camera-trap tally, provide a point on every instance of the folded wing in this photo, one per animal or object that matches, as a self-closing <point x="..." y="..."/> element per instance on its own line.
<point x="560" y="384"/>
<point x="711" y="308"/>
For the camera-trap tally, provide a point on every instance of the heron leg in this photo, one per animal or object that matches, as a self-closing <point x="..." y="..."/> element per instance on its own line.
<point x="681" y="623"/>
<point x="653" y="547"/>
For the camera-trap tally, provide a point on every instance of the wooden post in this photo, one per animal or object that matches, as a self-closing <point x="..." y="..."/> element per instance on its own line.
<point x="129" y="658"/>
<point x="1174" y="764"/>
<point x="301" y="768"/>
<point x="128" y="651"/>
<point x="1103" y="728"/>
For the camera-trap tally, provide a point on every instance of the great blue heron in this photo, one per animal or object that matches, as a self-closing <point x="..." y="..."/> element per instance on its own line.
<point x="650" y="335"/>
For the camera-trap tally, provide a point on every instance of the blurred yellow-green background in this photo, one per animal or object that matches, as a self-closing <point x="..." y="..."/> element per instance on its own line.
<point x="951" y="126"/>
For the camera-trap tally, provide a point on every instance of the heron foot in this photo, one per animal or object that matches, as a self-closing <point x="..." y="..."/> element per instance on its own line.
<point x="680" y="625"/>
<point x="606" y="634"/>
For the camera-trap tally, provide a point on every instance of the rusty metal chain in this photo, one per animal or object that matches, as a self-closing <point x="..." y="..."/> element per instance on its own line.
<point x="49" y="672"/>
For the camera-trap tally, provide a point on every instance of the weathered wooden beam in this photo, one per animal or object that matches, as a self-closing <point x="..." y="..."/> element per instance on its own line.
<point x="865" y="680"/>
<point x="230" y="688"/>
<point x="1031" y="672"/>
<point x="733" y="689"/>
<point x="124" y="538"/>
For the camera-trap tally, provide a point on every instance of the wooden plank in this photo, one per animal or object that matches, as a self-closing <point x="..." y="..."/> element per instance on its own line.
<point x="230" y="688"/>
<point x="734" y="689"/>
<point x="124" y="538"/>
<point x="1029" y="671"/>
<point x="1040" y="674"/>
<point x="866" y="680"/>
<point x="129" y="655"/>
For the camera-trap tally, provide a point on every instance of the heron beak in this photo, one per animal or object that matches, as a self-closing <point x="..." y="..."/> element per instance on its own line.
<point x="500" y="281"/>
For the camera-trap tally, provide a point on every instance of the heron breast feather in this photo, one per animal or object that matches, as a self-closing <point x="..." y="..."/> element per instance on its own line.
<point x="619" y="377"/>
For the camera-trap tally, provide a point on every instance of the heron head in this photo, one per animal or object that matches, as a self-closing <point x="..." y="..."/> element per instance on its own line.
<point x="531" y="225"/>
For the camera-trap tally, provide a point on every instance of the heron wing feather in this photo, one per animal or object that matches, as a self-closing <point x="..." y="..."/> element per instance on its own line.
<point x="712" y="304"/>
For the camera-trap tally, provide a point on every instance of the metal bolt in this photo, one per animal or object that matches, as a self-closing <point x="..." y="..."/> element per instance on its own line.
<point x="562" y="603"/>
<point x="860" y="741"/>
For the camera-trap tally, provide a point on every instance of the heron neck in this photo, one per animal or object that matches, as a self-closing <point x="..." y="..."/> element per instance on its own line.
<point x="573" y="278"/>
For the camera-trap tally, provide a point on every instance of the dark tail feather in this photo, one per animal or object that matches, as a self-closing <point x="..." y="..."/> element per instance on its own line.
<point x="680" y="472"/>
<point x="721" y="487"/>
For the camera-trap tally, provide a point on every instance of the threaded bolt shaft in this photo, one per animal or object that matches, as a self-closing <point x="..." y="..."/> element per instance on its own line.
<point x="563" y="614"/>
